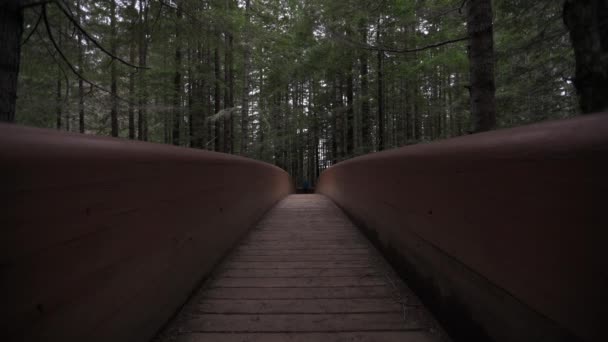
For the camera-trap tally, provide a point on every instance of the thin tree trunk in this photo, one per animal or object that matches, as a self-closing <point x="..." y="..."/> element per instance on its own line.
<point x="350" y="114"/>
<point x="365" y="117"/>
<point x="210" y="103"/>
<point x="278" y="136"/>
<point x="113" y="72"/>
<point x="459" y="116"/>
<point x="217" y="97"/>
<point x="131" y="109"/>
<point x="315" y="134"/>
<point x="81" y="70"/>
<point x="246" y="80"/>
<point x="408" y="111"/>
<point x="192" y="85"/>
<point x="481" y="59"/>
<point x="198" y="98"/>
<point x="334" y="125"/>
<point x="340" y="121"/>
<point x="142" y="120"/>
<point x="58" y="105"/>
<point x="58" y="109"/>
<point x="228" y="94"/>
<point x="380" y="93"/>
<point x="11" y="28"/>
<point x="177" y="81"/>
<point x="416" y="110"/>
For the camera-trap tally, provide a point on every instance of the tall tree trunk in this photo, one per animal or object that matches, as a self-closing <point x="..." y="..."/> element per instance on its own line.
<point x="217" y="97"/>
<point x="340" y="120"/>
<point x="228" y="93"/>
<point x="350" y="114"/>
<point x="481" y="59"/>
<point x="366" y="123"/>
<point x="380" y="93"/>
<point x="315" y="133"/>
<point x="246" y="80"/>
<point x="587" y="21"/>
<point x="81" y="70"/>
<point x="198" y="98"/>
<point x="334" y="123"/>
<point x="416" y="111"/>
<point x="131" y="109"/>
<point x="210" y="103"/>
<point x="113" y="72"/>
<point x="278" y="134"/>
<point x="11" y="28"/>
<point x="58" y="105"/>
<point x="142" y="115"/>
<point x="408" y="111"/>
<point x="192" y="85"/>
<point x="177" y="81"/>
<point x="459" y="116"/>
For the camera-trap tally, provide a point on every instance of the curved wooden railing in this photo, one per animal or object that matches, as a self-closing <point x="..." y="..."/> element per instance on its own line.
<point x="103" y="239"/>
<point x="503" y="234"/>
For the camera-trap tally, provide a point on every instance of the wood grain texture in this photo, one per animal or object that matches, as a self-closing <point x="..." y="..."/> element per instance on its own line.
<point x="304" y="274"/>
<point x="503" y="232"/>
<point x="104" y="239"/>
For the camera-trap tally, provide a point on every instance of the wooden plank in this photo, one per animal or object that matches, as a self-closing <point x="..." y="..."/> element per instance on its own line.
<point x="295" y="273"/>
<point x="305" y="245"/>
<point x="324" y="240"/>
<point x="293" y="258"/>
<point x="306" y="233"/>
<point x="358" y="336"/>
<point x="299" y="264"/>
<point x="298" y="293"/>
<point x="304" y="274"/>
<point x="243" y="251"/>
<point x="300" y="282"/>
<point x="301" y="306"/>
<point x="299" y="322"/>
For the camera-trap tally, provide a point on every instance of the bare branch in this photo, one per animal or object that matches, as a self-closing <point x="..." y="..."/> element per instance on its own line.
<point x="65" y="75"/>
<point x="93" y="40"/>
<point x="33" y="30"/>
<point x="393" y="50"/>
<point x="65" y="59"/>
<point x="427" y="47"/>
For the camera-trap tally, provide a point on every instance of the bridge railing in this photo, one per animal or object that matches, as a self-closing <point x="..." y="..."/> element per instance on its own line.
<point x="503" y="234"/>
<point x="103" y="239"/>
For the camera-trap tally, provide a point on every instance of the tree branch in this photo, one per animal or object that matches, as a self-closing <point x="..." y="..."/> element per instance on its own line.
<point x="33" y="30"/>
<point x="93" y="40"/>
<point x="65" y="59"/>
<point x="393" y="50"/>
<point x="427" y="47"/>
<point x="65" y="75"/>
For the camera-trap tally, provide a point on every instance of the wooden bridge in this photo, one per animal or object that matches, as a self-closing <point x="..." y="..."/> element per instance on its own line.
<point x="304" y="274"/>
<point x="493" y="237"/>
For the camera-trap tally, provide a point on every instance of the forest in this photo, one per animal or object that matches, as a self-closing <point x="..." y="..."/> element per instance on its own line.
<point x="302" y="84"/>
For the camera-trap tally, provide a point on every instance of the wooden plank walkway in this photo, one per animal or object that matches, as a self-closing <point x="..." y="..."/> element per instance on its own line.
<point x="305" y="273"/>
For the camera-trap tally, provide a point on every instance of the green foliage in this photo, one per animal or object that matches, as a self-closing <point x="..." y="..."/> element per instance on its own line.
<point x="299" y="56"/>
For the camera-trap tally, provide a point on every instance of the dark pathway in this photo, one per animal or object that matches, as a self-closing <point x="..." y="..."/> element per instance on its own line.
<point x="305" y="273"/>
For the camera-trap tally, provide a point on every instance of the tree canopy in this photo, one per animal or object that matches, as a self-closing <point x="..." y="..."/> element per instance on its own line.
<point x="302" y="84"/>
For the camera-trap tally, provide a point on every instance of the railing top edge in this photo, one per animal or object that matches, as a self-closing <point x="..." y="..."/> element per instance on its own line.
<point x="542" y="139"/>
<point x="23" y="143"/>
